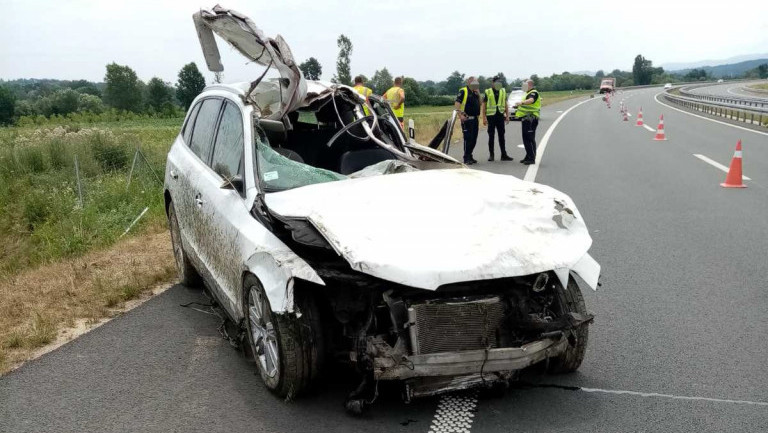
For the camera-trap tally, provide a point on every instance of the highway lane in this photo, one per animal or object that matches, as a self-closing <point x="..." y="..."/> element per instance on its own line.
<point x="731" y="90"/>
<point x="681" y="312"/>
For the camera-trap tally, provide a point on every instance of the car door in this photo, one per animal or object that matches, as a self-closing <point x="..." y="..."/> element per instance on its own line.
<point x="222" y="211"/>
<point x="187" y="157"/>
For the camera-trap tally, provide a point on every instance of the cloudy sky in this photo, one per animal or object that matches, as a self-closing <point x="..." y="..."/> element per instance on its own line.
<point x="424" y="39"/>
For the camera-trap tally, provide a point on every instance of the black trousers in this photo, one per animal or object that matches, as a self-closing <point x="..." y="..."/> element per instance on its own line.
<point x="528" y="127"/>
<point x="496" y="124"/>
<point x="470" y="128"/>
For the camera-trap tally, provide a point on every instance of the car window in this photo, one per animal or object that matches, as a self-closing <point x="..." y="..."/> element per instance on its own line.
<point x="205" y="124"/>
<point x="228" y="151"/>
<point x="278" y="173"/>
<point x="187" y="130"/>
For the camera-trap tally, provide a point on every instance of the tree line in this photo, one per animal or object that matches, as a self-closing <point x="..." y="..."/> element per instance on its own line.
<point x="121" y="90"/>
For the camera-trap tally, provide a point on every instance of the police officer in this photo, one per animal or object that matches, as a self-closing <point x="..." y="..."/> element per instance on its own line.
<point x="395" y="95"/>
<point x="495" y="114"/>
<point x="468" y="105"/>
<point x="365" y="91"/>
<point x="528" y="111"/>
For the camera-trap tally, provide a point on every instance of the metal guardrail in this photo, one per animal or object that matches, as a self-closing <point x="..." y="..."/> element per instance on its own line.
<point x="739" y="109"/>
<point x="741" y="101"/>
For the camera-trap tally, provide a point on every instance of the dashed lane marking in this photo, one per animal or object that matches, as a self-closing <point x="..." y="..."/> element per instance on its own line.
<point x="715" y="164"/>
<point x="648" y="128"/>
<point x="454" y="413"/>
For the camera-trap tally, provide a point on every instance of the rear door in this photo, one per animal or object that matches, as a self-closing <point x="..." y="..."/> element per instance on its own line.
<point x="222" y="210"/>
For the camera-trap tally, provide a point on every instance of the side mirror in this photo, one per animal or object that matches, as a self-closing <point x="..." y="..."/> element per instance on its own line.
<point x="235" y="182"/>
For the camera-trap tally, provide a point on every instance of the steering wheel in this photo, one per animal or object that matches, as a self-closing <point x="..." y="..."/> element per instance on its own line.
<point x="346" y="128"/>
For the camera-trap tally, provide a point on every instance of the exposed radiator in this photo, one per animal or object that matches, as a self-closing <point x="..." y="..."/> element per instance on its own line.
<point x="455" y="326"/>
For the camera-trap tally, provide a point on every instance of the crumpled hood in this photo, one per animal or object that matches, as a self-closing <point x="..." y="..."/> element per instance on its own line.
<point x="425" y="229"/>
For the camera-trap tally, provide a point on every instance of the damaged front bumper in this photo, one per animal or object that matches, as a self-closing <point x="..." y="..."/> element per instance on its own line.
<point x="468" y="362"/>
<point x="437" y="373"/>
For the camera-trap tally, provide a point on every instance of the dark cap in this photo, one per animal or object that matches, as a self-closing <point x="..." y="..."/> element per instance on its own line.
<point x="496" y="78"/>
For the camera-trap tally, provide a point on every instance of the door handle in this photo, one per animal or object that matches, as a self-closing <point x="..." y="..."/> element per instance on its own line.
<point x="174" y="175"/>
<point x="199" y="201"/>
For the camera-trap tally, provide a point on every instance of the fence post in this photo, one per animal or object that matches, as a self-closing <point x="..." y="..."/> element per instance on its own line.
<point x="79" y="185"/>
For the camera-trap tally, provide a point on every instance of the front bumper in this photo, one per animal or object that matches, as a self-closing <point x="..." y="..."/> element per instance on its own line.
<point x="468" y="362"/>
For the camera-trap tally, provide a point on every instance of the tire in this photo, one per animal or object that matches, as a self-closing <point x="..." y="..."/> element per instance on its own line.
<point x="188" y="275"/>
<point x="296" y="342"/>
<point x="569" y="361"/>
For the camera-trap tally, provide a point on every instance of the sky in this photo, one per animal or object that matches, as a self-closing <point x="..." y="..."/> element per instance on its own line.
<point x="423" y="39"/>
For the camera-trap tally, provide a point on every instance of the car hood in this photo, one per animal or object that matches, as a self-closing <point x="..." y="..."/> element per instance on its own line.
<point x="425" y="229"/>
<point x="241" y="32"/>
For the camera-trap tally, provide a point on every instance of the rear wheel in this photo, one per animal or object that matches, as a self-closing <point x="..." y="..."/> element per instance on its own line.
<point x="188" y="275"/>
<point x="288" y="350"/>
<point x="571" y="300"/>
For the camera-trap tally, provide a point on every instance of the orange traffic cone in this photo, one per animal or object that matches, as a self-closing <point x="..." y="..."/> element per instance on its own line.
<point x="734" y="178"/>
<point x="660" y="130"/>
<point x="640" y="117"/>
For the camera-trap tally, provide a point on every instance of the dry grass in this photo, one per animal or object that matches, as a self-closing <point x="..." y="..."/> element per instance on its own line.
<point x="760" y="86"/>
<point x="36" y="305"/>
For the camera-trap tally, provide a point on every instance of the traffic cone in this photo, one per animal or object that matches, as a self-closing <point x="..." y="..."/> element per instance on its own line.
<point x="660" y="130"/>
<point x="734" y="178"/>
<point x="640" y="117"/>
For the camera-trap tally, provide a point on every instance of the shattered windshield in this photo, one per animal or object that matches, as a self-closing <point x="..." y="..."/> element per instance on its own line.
<point x="278" y="172"/>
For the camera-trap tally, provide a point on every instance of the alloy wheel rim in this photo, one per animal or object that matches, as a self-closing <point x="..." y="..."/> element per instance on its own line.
<point x="263" y="333"/>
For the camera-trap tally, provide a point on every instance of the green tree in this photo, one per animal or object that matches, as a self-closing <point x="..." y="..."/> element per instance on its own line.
<point x="159" y="94"/>
<point x="7" y="105"/>
<point x="91" y="103"/>
<point x="189" y="85"/>
<point x="762" y="70"/>
<point x="642" y="71"/>
<point x="122" y="90"/>
<point x="381" y="81"/>
<point x="64" y="101"/>
<point x="413" y="92"/>
<point x="311" y="68"/>
<point x="453" y="83"/>
<point x="343" y="70"/>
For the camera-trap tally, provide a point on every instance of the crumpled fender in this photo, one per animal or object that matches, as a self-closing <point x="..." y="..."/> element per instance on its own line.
<point x="276" y="271"/>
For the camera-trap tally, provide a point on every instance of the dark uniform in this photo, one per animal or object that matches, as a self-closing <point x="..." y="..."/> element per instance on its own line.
<point x="470" y="126"/>
<point x="496" y="123"/>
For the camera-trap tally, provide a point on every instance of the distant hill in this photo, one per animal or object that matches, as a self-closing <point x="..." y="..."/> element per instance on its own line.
<point x="698" y="64"/>
<point x="729" y="70"/>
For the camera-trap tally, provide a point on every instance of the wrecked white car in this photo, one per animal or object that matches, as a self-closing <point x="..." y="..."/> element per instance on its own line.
<point x="326" y="236"/>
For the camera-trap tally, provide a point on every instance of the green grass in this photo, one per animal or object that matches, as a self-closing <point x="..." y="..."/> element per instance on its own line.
<point x="41" y="219"/>
<point x="759" y="86"/>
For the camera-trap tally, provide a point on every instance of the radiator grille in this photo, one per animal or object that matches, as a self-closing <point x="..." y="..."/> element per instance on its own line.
<point x="455" y="326"/>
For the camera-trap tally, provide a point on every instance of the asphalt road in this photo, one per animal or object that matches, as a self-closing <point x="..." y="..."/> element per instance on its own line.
<point x="730" y="90"/>
<point x="682" y="311"/>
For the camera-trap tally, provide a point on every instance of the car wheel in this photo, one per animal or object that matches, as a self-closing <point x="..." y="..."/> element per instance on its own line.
<point x="188" y="276"/>
<point x="571" y="300"/>
<point x="288" y="350"/>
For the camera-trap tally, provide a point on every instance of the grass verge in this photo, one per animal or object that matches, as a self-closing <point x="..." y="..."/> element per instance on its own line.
<point x="38" y="305"/>
<point x="759" y="86"/>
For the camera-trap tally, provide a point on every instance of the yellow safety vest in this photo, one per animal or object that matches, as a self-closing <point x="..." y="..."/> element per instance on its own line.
<point x="524" y="110"/>
<point x="393" y="96"/>
<point x="492" y="104"/>
<point x="366" y="92"/>
<point x="464" y="89"/>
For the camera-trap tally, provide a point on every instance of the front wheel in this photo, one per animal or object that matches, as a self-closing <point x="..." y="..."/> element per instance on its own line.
<point x="288" y="350"/>
<point x="571" y="301"/>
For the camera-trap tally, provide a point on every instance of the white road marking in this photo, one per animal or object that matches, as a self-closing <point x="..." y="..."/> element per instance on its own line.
<point x="521" y="146"/>
<point x="454" y="414"/>
<point x="648" y="128"/>
<point x="716" y="164"/>
<point x="559" y="111"/>
<point x="706" y="118"/>
<point x="675" y="397"/>
<point x="533" y="169"/>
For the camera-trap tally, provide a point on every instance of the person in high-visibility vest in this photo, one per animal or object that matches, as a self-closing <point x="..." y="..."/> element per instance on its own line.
<point x="468" y="105"/>
<point x="495" y="115"/>
<point x="396" y="98"/>
<point x="529" y="110"/>
<point x="365" y="91"/>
